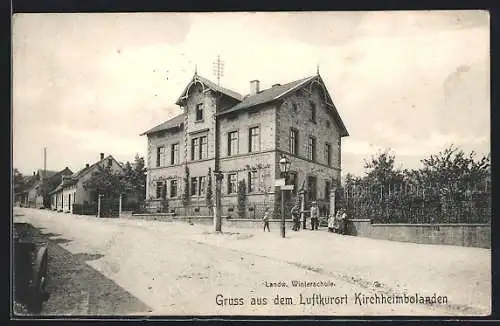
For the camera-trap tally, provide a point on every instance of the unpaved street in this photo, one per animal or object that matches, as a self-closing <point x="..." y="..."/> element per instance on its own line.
<point x="171" y="268"/>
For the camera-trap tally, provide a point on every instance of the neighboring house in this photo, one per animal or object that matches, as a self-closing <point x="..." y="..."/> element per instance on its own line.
<point x="71" y="191"/>
<point x="244" y="138"/>
<point x="21" y="196"/>
<point x="43" y="181"/>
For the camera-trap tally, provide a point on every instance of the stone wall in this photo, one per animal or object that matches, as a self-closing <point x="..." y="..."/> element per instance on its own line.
<point x="467" y="235"/>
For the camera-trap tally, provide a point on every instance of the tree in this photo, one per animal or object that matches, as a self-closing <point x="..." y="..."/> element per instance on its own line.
<point x="107" y="182"/>
<point x="185" y="194"/>
<point x="208" y="193"/>
<point x="241" y="198"/>
<point x="134" y="177"/>
<point x="381" y="169"/>
<point x="18" y="181"/>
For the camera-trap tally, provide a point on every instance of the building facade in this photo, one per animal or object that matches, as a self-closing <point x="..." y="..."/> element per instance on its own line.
<point x="71" y="190"/>
<point x="244" y="137"/>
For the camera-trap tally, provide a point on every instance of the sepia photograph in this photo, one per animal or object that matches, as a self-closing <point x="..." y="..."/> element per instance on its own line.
<point x="332" y="163"/>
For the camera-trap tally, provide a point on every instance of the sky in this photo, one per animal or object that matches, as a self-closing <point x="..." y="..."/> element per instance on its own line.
<point x="412" y="82"/>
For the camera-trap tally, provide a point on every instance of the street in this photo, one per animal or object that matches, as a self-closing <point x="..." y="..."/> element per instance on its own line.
<point x="131" y="266"/>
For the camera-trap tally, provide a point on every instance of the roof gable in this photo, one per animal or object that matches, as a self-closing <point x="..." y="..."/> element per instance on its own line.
<point x="73" y="178"/>
<point x="207" y="84"/>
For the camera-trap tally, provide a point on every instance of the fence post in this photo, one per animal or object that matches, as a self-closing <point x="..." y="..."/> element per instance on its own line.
<point x="302" y="195"/>
<point x="99" y="205"/>
<point x="332" y="201"/>
<point x="120" y="206"/>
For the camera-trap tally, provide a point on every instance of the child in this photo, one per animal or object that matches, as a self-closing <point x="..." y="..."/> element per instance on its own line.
<point x="266" y="219"/>
<point x="295" y="217"/>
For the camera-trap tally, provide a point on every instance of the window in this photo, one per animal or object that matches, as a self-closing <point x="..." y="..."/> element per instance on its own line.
<point x="232" y="143"/>
<point x="293" y="141"/>
<point x="195" y="149"/>
<point x="194" y="186"/>
<point x="201" y="185"/>
<point x="292" y="180"/>
<point x="328" y="154"/>
<point x="311" y="187"/>
<point x="203" y="147"/>
<point x="328" y="186"/>
<point x="173" y="188"/>
<point x="160" y="156"/>
<point x="294" y="107"/>
<point x="199" y="112"/>
<point x="252" y="181"/>
<point x="231" y="183"/>
<point x="313" y="112"/>
<point x="174" y="154"/>
<point x="159" y="189"/>
<point x="254" y="139"/>
<point x="311" y="149"/>
<point x="199" y="148"/>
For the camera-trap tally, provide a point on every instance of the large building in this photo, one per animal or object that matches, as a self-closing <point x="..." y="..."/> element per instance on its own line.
<point x="244" y="137"/>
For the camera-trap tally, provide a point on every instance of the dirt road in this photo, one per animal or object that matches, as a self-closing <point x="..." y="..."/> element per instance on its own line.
<point x="170" y="268"/>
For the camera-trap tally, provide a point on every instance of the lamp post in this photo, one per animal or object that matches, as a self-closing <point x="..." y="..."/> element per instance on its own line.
<point x="284" y="164"/>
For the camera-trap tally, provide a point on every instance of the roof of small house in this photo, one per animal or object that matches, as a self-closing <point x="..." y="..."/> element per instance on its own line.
<point x="174" y="122"/>
<point x="73" y="178"/>
<point x="46" y="173"/>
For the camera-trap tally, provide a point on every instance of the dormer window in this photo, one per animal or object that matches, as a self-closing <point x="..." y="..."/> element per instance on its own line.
<point x="110" y="162"/>
<point x="199" y="112"/>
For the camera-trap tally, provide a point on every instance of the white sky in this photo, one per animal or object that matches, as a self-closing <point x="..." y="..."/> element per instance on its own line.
<point x="413" y="82"/>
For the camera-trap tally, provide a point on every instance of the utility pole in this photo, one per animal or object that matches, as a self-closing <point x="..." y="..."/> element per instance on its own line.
<point x="44" y="161"/>
<point x="218" y="69"/>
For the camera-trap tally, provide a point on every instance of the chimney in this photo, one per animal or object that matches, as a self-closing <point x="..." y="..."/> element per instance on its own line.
<point x="87" y="165"/>
<point x="254" y="87"/>
<point x="102" y="156"/>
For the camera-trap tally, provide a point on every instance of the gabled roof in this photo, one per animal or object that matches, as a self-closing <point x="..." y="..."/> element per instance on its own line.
<point x="267" y="95"/>
<point x="46" y="173"/>
<point x="72" y="179"/>
<point x="208" y="84"/>
<point x="175" y="122"/>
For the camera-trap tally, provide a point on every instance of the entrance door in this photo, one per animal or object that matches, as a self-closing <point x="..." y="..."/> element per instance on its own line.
<point x="69" y="202"/>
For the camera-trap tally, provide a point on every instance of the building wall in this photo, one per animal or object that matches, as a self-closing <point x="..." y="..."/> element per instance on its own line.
<point x="324" y="130"/>
<point x="275" y="121"/>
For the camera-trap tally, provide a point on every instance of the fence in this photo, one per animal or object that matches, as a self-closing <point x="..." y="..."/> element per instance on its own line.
<point x="85" y="209"/>
<point x="247" y="211"/>
<point x="109" y="208"/>
<point x="405" y="204"/>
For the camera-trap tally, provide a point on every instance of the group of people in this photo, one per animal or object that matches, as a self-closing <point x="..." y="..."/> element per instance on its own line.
<point x="336" y="223"/>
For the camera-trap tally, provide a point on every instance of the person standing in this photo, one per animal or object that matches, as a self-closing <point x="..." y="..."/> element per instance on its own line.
<point x="265" y="218"/>
<point x="314" y="216"/>
<point x="295" y="217"/>
<point x="331" y="222"/>
<point x="342" y="221"/>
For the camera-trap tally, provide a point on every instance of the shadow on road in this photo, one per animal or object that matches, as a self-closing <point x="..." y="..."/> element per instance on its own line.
<point x="76" y="288"/>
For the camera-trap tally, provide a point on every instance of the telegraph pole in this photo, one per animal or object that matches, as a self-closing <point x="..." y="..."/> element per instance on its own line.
<point x="44" y="161"/>
<point x="218" y="69"/>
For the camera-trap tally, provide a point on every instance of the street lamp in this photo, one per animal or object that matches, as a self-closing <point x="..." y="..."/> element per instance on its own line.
<point x="284" y="164"/>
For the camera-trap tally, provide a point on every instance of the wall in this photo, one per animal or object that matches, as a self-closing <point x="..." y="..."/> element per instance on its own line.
<point x="468" y="235"/>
